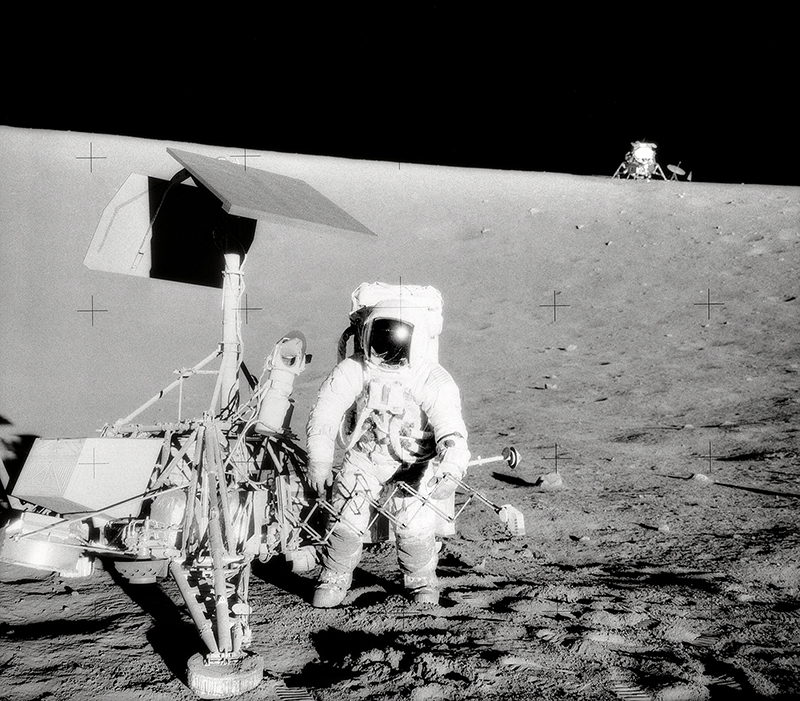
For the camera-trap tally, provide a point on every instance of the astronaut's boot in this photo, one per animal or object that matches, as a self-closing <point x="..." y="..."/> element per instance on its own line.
<point x="339" y="559"/>
<point x="422" y="587"/>
<point x="418" y="556"/>
<point x="331" y="589"/>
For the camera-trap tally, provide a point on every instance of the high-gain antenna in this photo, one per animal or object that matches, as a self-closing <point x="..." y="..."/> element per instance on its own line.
<point x="676" y="171"/>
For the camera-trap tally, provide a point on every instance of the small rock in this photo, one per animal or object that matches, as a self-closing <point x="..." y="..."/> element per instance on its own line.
<point x="700" y="477"/>
<point x="552" y="480"/>
<point x="663" y="528"/>
<point x="394" y="658"/>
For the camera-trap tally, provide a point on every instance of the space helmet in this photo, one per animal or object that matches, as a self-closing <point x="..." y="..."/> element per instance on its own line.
<point x="395" y="334"/>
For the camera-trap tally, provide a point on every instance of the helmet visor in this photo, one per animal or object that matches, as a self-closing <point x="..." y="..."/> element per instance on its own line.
<point x="390" y="341"/>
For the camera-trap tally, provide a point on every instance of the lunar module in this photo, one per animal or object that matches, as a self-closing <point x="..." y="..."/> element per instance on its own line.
<point x="640" y="163"/>
<point x="200" y="498"/>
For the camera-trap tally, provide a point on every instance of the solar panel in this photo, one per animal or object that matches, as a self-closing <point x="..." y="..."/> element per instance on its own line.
<point x="259" y="194"/>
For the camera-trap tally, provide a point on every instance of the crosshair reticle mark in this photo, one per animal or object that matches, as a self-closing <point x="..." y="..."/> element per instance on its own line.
<point x="554" y="305"/>
<point x="710" y="456"/>
<point x="403" y="305"/>
<point x="708" y="303"/>
<point x="556" y="457"/>
<point x="94" y="463"/>
<point x="91" y="157"/>
<point x="93" y="310"/>
<point x="247" y="308"/>
<point x="244" y="156"/>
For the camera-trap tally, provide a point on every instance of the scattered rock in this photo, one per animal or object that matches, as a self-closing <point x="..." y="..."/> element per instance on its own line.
<point x="700" y="477"/>
<point x="551" y="480"/>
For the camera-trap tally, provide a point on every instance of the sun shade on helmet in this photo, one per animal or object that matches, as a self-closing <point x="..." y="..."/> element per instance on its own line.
<point x="389" y="341"/>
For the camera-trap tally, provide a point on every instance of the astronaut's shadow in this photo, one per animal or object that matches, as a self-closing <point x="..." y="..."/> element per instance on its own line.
<point x="278" y="572"/>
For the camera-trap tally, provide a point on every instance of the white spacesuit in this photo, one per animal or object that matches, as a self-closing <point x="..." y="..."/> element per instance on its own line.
<point x="408" y="426"/>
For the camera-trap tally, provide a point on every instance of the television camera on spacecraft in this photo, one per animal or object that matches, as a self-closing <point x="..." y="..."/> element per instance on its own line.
<point x="199" y="499"/>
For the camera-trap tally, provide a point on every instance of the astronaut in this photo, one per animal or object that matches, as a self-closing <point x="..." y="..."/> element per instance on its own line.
<point x="408" y="427"/>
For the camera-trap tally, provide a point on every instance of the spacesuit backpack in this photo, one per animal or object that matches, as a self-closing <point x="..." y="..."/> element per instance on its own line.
<point x="425" y="299"/>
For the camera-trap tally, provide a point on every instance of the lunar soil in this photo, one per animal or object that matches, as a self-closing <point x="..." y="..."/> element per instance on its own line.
<point x="656" y="412"/>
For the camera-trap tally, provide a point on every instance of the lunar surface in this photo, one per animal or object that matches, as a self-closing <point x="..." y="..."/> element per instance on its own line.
<point x="637" y="342"/>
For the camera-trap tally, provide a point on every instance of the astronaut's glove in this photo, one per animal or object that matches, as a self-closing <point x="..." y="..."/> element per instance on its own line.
<point x="320" y="477"/>
<point x="450" y="466"/>
<point x="441" y="484"/>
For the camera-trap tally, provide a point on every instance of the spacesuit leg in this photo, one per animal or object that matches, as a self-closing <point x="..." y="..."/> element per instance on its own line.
<point x="354" y="483"/>
<point x="417" y="552"/>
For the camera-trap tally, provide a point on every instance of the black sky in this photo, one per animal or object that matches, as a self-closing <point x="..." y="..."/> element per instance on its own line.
<point x="434" y="85"/>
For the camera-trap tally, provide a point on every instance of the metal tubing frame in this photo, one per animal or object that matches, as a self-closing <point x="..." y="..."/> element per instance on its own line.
<point x="203" y="624"/>
<point x="216" y="543"/>
<point x="167" y="389"/>
<point x="382" y="508"/>
<point x="227" y="388"/>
